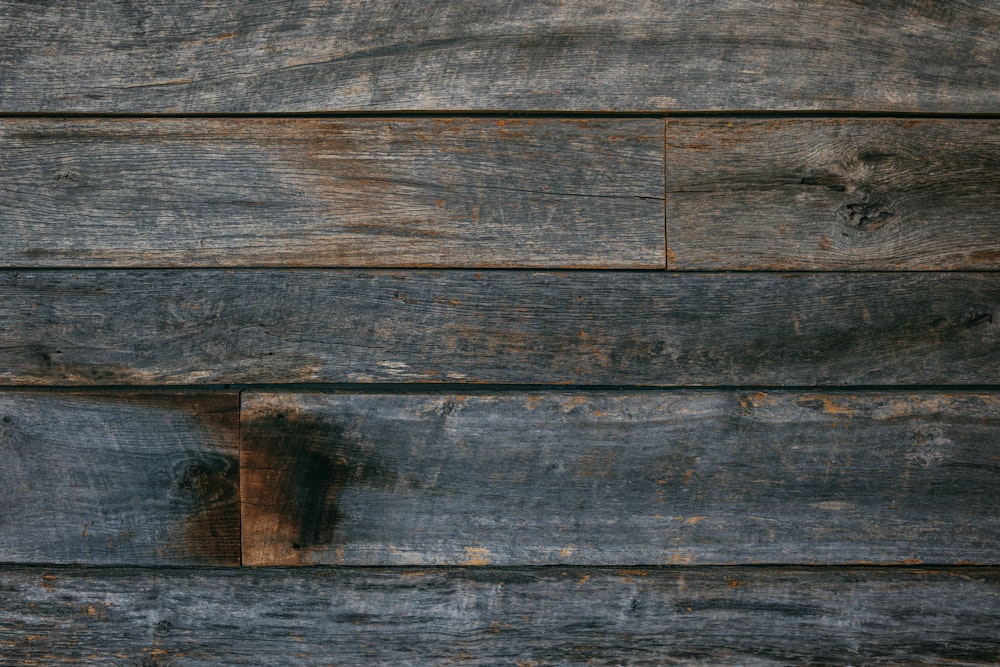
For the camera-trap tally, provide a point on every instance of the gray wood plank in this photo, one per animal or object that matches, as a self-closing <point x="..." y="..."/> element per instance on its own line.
<point x="584" y="327"/>
<point x="547" y="616"/>
<point x="447" y="192"/>
<point x="119" y="478"/>
<point x="589" y="55"/>
<point x="833" y="194"/>
<point x="620" y="478"/>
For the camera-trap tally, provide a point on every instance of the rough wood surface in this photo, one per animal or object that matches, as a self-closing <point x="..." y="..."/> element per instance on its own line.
<point x="589" y="55"/>
<point x="584" y="327"/>
<point x="546" y="616"/>
<point x="447" y="192"/>
<point x="119" y="478"/>
<point x="833" y="194"/>
<point x="620" y="478"/>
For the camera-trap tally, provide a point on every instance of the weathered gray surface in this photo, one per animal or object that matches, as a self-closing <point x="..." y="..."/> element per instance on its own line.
<point x="551" y="616"/>
<point x="465" y="192"/>
<point x="119" y="478"/>
<point x="833" y="194"/>
<point x="620" y="478"/>
<point x="591" y="55"/>
<point x="148" y="327"/>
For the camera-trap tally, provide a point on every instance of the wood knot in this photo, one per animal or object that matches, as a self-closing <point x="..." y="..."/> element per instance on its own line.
<point x="863" y="216"/>
<point x="210" y="481"/>
<point x="67" y="177"/>
<point x="977" y="316"/>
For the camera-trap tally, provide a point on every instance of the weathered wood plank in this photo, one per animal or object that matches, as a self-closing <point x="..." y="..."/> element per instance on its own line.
<point x="833" y="194"/>
<point x="447" y="192"/>
<point x="256" y="56"/>
<point x="319" y="616"/>
<point x="119" y="478"/>
<point x="620" y="478"/>
<point x="585" y="327"/>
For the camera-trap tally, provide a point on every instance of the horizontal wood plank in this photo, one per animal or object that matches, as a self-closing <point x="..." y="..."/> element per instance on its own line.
<point x="833" y="194"/>
<point x="619" y="478"/>
<point x="391" y="192"/>
<point x="590" y="55"/>
<point x="686" y="616"/>
<point x="119" y="478"/>
<point x="586" y="327"/>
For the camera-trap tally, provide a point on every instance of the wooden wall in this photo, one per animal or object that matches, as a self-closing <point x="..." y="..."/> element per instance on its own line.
<point x="625" y="333"/>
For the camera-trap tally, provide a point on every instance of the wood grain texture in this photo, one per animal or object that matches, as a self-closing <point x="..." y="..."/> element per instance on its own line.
<point x="585" y="327"/>
<point x="591" y="55"/>
<point x="833" y="194"/>
<point x="620" y="478"/>
<point x="466" y="192"/>
<point x="548" y="616"/>
<point x="119" y="478"/>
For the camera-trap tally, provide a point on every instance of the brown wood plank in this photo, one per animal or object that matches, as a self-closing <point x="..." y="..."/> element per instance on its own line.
<point x="480" y="616"/>
<point x="119" y="478"/>
<point x="584" y="327"/>
<point x="589" y="55"/>
<point x="389" y="192"/>
<point x="833" y="194"/>
<point x="620" y="478"/>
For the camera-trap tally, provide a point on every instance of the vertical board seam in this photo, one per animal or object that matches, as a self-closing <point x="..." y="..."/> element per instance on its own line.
<point x="666" y="235"/>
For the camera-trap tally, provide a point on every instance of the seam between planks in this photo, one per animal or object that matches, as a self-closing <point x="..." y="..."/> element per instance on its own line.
<point x="501" y="114"/>
<point x="666" y="229"/>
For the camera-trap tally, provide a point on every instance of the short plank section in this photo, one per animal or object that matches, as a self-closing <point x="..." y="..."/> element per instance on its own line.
<point x="584" y="327"/>
<point x="588" y="55"/>
<point x="619" y="478"/>
<point x="833" y="194"/>
<point x="677" y="616"/>
<point x="449" y="192"/>
<point x="119" y="478"/>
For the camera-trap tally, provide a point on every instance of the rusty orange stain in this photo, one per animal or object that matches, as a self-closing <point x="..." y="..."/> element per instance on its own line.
<point x="476" y="556"/>
<point x="831" y="408"/>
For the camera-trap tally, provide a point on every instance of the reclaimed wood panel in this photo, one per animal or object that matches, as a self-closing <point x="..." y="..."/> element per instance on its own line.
<point x="120" y="478"/>
<point x="389" y="192"/>
<point x="583" y="327"/>
<point x="615" y="478"/>
<point x="543" y="616"/>
<point x="590" y="55"/>
<point x="833" y="194"/>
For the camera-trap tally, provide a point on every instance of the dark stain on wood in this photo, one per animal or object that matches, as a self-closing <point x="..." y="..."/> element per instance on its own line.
<point x="305" y="462"/>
